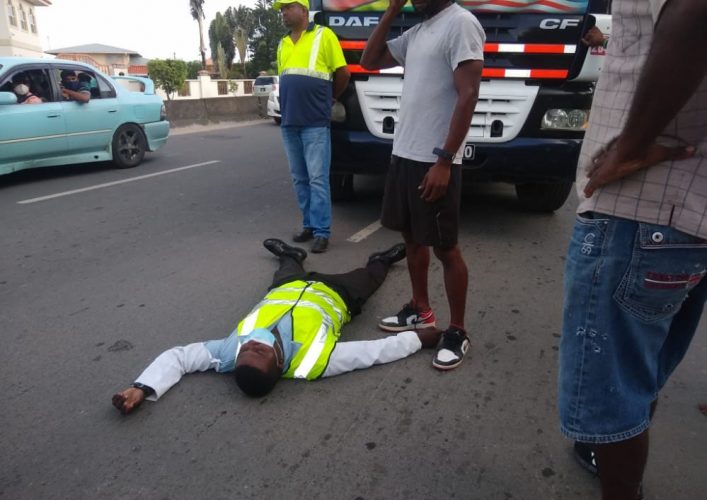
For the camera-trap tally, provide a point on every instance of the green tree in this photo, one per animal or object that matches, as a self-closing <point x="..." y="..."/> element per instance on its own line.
<point x="221" y="62"/>
<point x="193" y="68"/>
<point x="220" y="33"/>
<point x="266" y="37"/>
<point x="197" y="12"/>
<point x="241" y="22"/>
<point x="168" y="74"/>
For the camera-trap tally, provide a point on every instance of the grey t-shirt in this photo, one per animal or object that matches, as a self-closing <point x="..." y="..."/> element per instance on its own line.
<point x="430" y="52"/>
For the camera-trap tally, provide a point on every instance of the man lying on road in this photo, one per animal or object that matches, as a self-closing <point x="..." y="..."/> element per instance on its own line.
<point x="292" y="333"/>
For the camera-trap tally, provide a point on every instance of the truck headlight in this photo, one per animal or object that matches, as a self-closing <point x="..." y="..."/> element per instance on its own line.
<point x="565" y="119"/>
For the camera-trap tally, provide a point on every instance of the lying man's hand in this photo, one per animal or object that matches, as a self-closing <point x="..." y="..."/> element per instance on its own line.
<point x="128" y="400"/>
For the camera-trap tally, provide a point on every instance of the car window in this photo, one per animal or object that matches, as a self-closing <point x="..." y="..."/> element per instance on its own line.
<point x="37" y="80"/>
<point x="264" y="80"/>
<point x="105" y="88"/>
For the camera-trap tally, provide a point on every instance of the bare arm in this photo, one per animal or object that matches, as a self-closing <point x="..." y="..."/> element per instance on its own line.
<point x="341" y="80"/>
<point x="376" y="54"/>
<point x="670" y="76"/>
<point x="467" y="78"/>
<point x="73" y="95"/>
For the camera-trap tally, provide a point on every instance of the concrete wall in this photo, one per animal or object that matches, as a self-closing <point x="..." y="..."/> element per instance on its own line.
<point x="205" y="87"/>
<point x="203" y="111"/>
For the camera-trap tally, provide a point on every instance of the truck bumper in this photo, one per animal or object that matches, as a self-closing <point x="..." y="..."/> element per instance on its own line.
<point x="520" y="160"/>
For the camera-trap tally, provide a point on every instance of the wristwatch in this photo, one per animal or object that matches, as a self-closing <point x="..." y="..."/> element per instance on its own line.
<point x="443" y="153"/>
<point x="149" y="391"/>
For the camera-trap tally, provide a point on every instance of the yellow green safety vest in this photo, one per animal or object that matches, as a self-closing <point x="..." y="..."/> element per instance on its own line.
<point x="303" y="58"/>
<point x="318" y="313"/>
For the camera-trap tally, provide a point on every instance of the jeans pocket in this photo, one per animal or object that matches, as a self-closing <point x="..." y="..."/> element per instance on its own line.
<point x="665" y="265"/>
<point x="586" y="247"/>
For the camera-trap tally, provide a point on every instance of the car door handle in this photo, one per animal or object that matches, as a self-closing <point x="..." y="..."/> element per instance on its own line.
<point x="53" y="116"/>
<point x="112" y="110"/>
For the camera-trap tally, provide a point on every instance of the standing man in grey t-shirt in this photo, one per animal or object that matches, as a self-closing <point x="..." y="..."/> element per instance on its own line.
<point x="443" y="59"/>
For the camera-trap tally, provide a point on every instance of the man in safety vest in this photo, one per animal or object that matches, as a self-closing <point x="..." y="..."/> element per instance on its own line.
<point x="313" y="74"/>
<point x="292" y="333"/>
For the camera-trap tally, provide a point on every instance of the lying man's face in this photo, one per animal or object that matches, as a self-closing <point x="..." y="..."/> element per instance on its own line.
<point x="259" y="363"/>
<point x="258" y="355"/>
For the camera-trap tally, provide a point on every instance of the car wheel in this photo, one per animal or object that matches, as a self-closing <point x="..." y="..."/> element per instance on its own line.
<point x="342" y="188"/>
<point x="129" y="146"/>
<point x="277" y="121"/>
<point x="543" y="196"/>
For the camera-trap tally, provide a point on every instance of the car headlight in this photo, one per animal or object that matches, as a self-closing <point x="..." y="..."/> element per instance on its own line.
<point x="163" y="113"/>
<point x="565" y="119"/>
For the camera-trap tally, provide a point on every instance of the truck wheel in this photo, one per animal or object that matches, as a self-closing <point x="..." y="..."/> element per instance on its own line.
<point x="129" y="146"/>
<point x="543" y="196"/>
<point x="342" y="188"/>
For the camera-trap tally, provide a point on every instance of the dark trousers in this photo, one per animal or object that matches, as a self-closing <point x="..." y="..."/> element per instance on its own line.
<point x="354" y="287"/>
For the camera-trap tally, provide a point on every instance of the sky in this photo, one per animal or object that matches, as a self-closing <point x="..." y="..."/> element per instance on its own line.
<point x="154" y="28"/>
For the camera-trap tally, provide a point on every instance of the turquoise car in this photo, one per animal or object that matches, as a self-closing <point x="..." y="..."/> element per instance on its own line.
<point x="55" y="112"/>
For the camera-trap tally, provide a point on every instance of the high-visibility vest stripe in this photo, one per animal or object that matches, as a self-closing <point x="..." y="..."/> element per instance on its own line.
<point x="300" y="303"/>
<point x="314" y="52"/>
<point x="307" y="72"/>
<point x="312" y="356"/>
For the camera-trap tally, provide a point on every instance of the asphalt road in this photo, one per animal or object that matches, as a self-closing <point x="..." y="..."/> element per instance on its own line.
<point x="95" y="283"/>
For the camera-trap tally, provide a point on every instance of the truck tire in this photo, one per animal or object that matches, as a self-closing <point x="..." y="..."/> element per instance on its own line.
<point x="543" y="196"/>
<point x="342" y="188"/>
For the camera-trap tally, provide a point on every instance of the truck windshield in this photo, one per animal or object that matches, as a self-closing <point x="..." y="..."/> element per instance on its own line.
<point x="498" y="6"/>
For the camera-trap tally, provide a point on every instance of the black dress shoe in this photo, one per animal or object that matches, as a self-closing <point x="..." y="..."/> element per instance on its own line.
<point x="279" y="248"/>
<point x="305" y="235"/>
<point x="389" y="257"/>
<point x="320" y="245"/>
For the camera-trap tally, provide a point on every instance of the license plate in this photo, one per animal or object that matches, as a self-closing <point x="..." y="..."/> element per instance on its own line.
<point x="469" y="151"/>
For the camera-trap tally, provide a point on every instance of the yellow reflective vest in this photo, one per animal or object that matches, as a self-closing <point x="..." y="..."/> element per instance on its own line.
<point x="317" y="54"/>
<point x="318" y="313"/>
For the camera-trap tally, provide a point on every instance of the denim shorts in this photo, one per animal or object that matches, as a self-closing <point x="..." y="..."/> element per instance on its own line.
<point x="634" y="294"/>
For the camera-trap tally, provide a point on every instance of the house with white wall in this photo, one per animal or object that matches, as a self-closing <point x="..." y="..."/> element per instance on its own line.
<point x="111" y="60"/>
<point x="19" y="33"/>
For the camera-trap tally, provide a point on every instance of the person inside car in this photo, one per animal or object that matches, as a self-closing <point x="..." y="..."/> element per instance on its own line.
<point x="72" y="89"/>
<point x="21" y="88"/>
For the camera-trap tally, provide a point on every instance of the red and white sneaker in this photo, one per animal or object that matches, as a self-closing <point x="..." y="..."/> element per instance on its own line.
<point x="409" y="318"/>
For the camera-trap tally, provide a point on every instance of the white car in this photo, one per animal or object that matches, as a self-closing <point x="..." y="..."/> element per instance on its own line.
<point x="274" y="106"/>
<point x="264" y="85"/>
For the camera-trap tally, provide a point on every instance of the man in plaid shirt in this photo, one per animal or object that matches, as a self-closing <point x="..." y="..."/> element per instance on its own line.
<point x="634" y="282"/>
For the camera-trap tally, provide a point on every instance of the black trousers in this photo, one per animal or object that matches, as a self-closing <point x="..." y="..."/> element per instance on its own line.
<point x="354" y="287"/>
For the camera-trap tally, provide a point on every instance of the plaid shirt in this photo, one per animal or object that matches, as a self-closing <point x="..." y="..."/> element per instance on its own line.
<point x="670" y="193"/>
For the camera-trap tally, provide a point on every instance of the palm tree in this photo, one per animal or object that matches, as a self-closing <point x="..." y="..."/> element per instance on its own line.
<point x="197" y="12"/>
<point x="242" y="23"/>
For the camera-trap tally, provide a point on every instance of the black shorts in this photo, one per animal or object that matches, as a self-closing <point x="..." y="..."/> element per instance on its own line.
<point x="431" y="224"/>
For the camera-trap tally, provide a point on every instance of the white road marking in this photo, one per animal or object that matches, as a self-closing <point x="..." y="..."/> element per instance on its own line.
<point x="114" y="183"/>
<point x="365" y="232"/>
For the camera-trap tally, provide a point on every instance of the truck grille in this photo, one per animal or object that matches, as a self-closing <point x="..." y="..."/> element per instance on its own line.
<point x="501" y="102"/>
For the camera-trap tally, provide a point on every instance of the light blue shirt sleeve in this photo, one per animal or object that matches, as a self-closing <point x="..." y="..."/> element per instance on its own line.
<point x="224" y="351"/>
